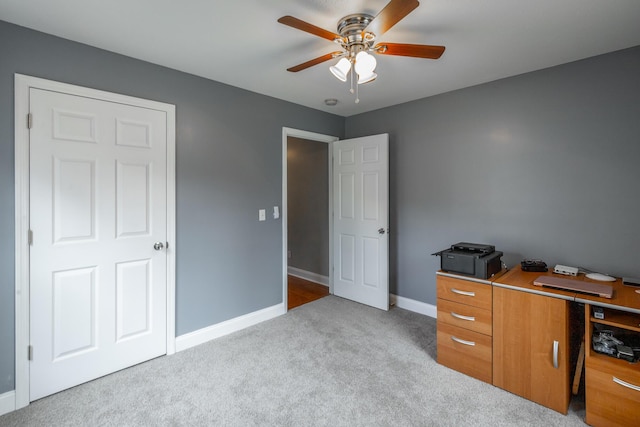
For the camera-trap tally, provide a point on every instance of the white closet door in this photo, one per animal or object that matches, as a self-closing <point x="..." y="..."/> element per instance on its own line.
<point x="97" y="208"/>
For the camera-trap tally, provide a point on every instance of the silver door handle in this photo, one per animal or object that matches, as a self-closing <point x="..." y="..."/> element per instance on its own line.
<point x="465" y="293"/>
<point x="626" y="384"/>
<point x="461" y="317"/>
<point x="556" y="344"/>
<point x="465" y="342"/>
<point x="158" y="246"/>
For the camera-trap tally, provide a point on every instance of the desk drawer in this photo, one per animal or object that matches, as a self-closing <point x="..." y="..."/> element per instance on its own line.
<point x="612" y="394"/>
<point x="465" y="351"/>
<point x="465" y="316"/>
<point x="464" y="292"/>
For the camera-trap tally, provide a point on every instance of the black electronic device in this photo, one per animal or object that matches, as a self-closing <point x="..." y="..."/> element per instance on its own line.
<point x="631" y="281"/>
<point x="473" y="247"/>
<point x="533" y="265"/>
<point x="620" y="345"/>
<point x="626" y="353"/>
<point x="598" y="313"/>
<point x="475" y="259"/>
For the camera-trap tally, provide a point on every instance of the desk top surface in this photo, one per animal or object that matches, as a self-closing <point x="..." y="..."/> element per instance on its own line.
<point x="624" y="297"/>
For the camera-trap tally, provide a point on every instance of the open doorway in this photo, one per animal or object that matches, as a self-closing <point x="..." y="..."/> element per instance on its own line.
<point x="306" y="216"/>
<point x="308" y="221"/>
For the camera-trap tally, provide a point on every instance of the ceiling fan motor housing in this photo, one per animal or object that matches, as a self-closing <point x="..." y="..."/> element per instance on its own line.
<point x="354" y="38"/>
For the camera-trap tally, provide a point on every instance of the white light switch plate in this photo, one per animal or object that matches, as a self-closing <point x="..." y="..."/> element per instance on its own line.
<point x="276" y="212"/>
<point x="262" y="215"/>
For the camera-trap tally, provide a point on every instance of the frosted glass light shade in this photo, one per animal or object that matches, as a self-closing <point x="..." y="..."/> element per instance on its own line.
<point x="341" y="69"/>
<point x="365" y="63"/>
<point x="365" y="66"/>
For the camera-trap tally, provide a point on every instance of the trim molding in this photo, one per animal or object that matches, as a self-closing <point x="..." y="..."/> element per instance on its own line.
<point x="201" y="336"/>
<point x="308" y="275"/>
<point x="415" y="306"/>
<point x="7" y="402"/>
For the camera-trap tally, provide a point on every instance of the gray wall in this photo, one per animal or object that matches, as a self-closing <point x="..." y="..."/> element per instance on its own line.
<point x="229" y="163"/>
<point x="543" y="165"/>
<point x="308" y="205"/>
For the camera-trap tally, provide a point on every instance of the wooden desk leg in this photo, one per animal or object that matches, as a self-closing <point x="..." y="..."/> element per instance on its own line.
<point x="579" y="365"/>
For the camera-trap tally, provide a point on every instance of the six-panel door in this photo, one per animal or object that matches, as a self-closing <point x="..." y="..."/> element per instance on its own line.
<point x="361" y="220"/>
<point x="98" y="205"/>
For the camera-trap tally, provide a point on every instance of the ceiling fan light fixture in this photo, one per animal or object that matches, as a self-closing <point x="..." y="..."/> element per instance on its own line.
<point x="341" y="69"/>
<point x="365" y="63"/>
<point x="365" y="66"/>
<point x="357" y="34"/>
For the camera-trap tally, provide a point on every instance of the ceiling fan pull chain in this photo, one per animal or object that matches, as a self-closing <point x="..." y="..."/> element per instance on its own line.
<point x="351" y="78"/>
<point x="357" y="97"/>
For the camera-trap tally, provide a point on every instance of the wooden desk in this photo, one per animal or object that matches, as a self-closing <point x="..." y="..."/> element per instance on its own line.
<point x="530" y="341"/>
<point x="624" y="297"/>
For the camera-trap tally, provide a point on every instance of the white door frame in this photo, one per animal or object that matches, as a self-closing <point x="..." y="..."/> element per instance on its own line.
<point x="328" y="139"/>
<point x="22" y="85"/>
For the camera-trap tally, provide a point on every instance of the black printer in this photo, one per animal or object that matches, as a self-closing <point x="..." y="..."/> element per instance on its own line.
<point x="475" y="259"/>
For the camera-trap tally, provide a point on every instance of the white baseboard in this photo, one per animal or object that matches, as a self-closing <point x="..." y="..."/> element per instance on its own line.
<point x="415" y="306"/>
<point x="227" y="327"/>
<point x="7" y="402"/>
<point x="307" y="275"/>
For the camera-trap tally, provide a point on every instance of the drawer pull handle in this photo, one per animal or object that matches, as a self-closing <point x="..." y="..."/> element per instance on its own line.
<point x="461" y="317"/>
<point x="626" y="384"/>
<point x="556" y="345"/>
<point x="465" y="293"/>
<point x="458" y="340"/>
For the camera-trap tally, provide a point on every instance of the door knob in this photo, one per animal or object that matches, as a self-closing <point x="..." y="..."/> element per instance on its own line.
<point x="158" y="246"/>
<point x="380" y="230"/>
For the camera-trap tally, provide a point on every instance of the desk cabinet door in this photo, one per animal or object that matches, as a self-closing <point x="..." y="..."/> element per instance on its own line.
<point x="531" y="347"/>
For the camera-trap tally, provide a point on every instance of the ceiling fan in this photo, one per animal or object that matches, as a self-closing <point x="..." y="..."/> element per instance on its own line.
<point x="357" y="35"/>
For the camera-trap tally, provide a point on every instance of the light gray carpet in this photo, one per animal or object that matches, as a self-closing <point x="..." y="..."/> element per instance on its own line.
<point x="328" y="363"/>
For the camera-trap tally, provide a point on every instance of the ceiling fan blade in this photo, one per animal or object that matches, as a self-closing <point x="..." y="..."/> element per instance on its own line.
<point x="309" y="28"/>
<point x="414" y="50"/>
<point x="315" y="61"/>
<point x="392" y="13"/>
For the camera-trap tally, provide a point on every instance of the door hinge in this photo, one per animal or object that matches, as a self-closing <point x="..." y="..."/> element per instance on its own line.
<point x="30" y="237"/>
<point x="30" y="352"/>
<point x="29" y="121"/>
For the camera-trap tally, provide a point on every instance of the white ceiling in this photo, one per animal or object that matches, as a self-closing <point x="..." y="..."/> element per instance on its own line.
<point x="240" y="42"/>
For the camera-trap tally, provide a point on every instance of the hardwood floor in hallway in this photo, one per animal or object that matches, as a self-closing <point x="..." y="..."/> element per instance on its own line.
<point x="301" y="291"/>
